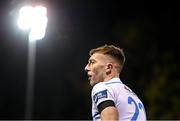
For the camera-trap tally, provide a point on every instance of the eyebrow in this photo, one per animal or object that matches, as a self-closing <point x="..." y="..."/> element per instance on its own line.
<point x="90" y="60"/>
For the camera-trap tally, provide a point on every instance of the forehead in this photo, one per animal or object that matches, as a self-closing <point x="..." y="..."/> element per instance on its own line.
<point x="98" y="56"/>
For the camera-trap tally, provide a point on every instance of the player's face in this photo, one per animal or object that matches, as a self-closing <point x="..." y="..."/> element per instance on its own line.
<point x="96" y="68"/>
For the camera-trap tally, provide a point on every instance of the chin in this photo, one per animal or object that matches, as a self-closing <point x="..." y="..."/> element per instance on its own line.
<point x="92" y="83"/>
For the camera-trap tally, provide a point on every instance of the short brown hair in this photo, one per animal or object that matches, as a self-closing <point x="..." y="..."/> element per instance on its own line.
<point x="115" y="52"/>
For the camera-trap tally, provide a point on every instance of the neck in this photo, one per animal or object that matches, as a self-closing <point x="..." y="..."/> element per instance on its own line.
<point x="109" y="77"/>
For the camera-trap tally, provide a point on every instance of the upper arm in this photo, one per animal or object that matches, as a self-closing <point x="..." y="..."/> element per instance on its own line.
<point x="103" y="99"/>
<point x="109" y="113"/>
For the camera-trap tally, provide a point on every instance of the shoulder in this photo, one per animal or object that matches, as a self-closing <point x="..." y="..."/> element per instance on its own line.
<point x="99" y="88"/>
<point x="110" y="85"/>
<point x="100" y="93"/>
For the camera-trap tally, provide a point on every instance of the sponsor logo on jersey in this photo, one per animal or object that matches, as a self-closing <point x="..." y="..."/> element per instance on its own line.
<point x="100" y="95"/>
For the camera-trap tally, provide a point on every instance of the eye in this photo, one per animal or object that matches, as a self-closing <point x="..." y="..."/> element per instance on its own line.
<point x="91" y="62"/>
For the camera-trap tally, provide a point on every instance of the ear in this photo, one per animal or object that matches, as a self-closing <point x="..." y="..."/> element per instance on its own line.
<point x="109" y="67"/>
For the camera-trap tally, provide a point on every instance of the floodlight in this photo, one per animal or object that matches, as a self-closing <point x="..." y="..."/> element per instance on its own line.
<point x="33" y="19"/>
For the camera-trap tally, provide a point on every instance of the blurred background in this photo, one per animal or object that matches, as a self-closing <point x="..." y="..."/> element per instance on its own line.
<point x="147" y="31"/>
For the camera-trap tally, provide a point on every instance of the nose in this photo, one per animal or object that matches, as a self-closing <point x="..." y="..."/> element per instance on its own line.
<point x="86" y="68"/>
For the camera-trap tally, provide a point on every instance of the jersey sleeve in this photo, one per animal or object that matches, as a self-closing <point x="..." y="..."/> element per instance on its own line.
<point x="101" y="93"/>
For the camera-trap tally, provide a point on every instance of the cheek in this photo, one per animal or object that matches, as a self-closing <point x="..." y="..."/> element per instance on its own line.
<point x="98" y="71"/>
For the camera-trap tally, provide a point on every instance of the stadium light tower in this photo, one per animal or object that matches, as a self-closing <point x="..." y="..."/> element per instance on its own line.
<point x="35" y="20"/>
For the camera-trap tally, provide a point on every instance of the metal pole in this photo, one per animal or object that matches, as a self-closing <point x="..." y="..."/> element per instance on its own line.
<point x="30" y="80"/>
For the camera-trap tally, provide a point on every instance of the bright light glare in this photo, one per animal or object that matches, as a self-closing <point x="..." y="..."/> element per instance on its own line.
<point x="25" y="17"/>
<point x="39" y="24"/>
<point x="34" y="19"/>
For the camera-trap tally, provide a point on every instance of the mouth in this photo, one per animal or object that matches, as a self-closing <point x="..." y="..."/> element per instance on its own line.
<point x="89" y="77"/>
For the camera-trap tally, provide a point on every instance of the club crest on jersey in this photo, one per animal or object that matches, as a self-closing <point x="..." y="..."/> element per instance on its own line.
<point x="100" y="95"/>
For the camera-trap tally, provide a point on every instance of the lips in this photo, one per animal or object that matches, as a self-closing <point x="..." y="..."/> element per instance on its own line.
<point x="89" y="76"/>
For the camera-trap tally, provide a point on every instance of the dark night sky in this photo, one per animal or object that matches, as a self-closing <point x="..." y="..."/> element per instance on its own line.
<point x="74" y="27"/>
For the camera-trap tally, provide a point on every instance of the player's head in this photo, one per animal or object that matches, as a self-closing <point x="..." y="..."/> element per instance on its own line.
<point x="104" y="63"/>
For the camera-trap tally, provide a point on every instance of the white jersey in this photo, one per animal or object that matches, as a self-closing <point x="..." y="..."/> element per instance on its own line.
<point x="129" y="106"/>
